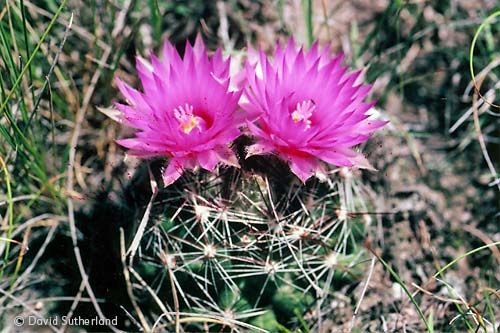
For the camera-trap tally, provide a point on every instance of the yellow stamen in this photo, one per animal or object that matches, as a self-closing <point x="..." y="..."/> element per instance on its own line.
<point x="190" y="124"/>
<point x="187" y="120"/>
<point x="296" y="117"/>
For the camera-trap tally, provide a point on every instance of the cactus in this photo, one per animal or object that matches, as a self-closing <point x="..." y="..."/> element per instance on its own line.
<point x="249" y="249"/>
<point x="241" y="228"/>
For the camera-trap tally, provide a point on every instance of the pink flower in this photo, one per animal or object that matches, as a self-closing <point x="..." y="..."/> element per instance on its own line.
<point x="307" y="109"/>
<point x="186" y="111"/>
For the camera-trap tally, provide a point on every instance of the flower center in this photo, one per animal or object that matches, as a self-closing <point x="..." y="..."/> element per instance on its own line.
<point x="187" y="120"/>
<point x="303" y="112"/>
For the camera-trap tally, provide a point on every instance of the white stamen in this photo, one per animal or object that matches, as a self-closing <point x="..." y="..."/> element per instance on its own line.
<point x="303" y="112"/>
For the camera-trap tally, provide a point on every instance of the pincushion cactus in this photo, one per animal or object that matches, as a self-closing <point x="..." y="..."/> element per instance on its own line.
<point x="186" y="112"/>
<point x="228" y="246"/>
<point x="309" y="109"/>
<point x="257" y="256"/>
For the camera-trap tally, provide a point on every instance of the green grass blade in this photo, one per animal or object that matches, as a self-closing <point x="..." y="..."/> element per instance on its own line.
<point x="457" y="259"/>
<point x="308" y="13"/>
<point x="33" y="54"/>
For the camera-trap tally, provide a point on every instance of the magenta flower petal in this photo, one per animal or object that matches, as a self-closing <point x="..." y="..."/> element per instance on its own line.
<point x="227" y="156"/>
<point x="208" y="159"/>
<point x="303" y="167"/>
<point x="307" y="108"/>
<point x="172" y="172"/>
<point x="261" y="148"/>
<point x="185" y="112"/>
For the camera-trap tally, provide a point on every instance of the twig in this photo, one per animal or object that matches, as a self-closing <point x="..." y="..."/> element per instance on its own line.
<point x="365" y="287"/>
<point x="157" y="322"/>
<point x="130" y="292"/>
<point x="71" y="168"/>
<point x="69" y="184"/>
<point x="35" y="221"/>
<point x="480" y="136"/>
<point x="472" y="85"/>
<point x="442" y="299"/>
<point x="142" y="226"/>
<point x="158" y="301"/>
<point x="39" y="254"/>
<point x="477" y="86"/>
<point x="216" y="319"/>
<point x="26" y="306"/>
<point x="485" y="238"/>
<point x="78" y="298"/>
<point x="223" y="31"/>
<point x="176" y="299"/>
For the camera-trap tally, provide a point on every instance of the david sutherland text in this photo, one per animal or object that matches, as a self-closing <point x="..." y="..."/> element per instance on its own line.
<point x="67" y="321"/>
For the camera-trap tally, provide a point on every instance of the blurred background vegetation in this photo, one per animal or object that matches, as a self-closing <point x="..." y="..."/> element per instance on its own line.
<point x="66" y="189"/>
